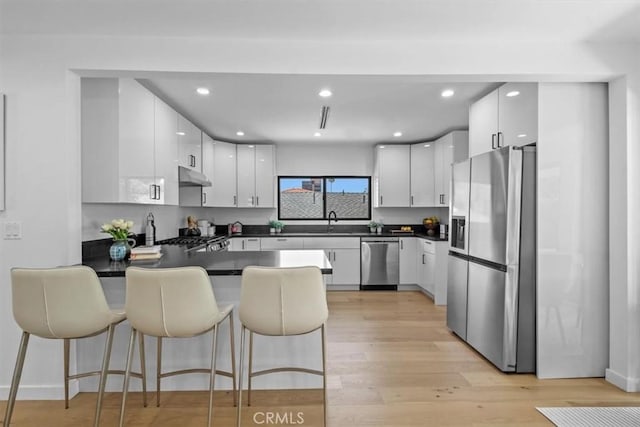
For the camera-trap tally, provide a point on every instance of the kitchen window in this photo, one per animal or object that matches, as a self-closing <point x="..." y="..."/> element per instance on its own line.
<point x="313" y="197"/>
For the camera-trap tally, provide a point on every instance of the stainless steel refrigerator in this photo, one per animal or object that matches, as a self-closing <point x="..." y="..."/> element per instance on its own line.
<point x="492" y="256"/>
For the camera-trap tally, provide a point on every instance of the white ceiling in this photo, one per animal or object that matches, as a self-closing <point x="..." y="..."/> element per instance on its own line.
<point x="364" y="109"/>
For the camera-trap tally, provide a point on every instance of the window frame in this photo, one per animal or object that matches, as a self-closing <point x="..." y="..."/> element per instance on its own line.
<point x="324" y="179"/>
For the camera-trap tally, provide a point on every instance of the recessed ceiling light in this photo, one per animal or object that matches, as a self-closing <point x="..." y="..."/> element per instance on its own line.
<point x="317" y="134"/>
<point x="325" y="93"/>
<point x="251" y="146"/>
<point x="180" y="133"/>
<point x="203" y="91"/>
<point x="447" y="93"/>
<point x="522" y="135"/>
<point x="240" y="133"/>
<point x="427" y="145"/>
<point x="382" y="146"/>
<point x="513" y="93"/>
<point x="397" y="134"/>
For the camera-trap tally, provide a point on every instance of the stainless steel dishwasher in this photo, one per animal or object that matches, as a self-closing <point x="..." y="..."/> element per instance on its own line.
<point x="379" y="263"/>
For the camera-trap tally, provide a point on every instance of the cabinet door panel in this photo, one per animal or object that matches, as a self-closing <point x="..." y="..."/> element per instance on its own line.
<point x="394" y="177"/>
<point x="166" y="153"/>
<point x="346" y="266"/>
<point x="136" y="160"/>
<point x="265" y="176"/>
<point x="246" y="171"/>
<point x="224" y="177"/>
<point x="189" y="144"/>
<point x="423" y="171"/>
<point x="208" y="169"/>
<point x="483" y="123"/>
<point x="408" y="258"/>
<point x="518" y="113"/>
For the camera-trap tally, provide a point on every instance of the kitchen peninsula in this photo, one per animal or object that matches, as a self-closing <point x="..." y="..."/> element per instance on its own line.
<point x="224" y="269"/>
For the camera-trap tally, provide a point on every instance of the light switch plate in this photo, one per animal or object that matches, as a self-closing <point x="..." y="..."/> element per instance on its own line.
<point x="12" y="230"/>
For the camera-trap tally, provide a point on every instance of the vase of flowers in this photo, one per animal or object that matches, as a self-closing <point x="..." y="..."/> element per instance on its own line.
<point x="120" y="231"/>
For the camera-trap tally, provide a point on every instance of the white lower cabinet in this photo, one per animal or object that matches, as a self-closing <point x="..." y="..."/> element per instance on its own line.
<point x="245" y="244"/>
<point x="408" y="261"/>
<point x="432" y="269"/>
<point x="277" y="243"/>
<point x="343" y="254"/>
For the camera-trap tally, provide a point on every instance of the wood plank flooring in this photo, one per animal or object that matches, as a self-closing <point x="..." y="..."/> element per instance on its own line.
<point x="391" y="362"/>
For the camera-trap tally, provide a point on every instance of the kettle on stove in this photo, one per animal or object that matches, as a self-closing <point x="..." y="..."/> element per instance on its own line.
<point x="235" y="228"/>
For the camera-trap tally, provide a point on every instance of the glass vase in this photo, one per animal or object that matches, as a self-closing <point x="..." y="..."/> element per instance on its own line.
<point x="120" y="249"/>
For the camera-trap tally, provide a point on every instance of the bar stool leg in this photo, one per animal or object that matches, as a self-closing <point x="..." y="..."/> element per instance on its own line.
<point x="158" y="370"/>
<point x="67" y="345"/>
<point x="250" y="368"/>
<point x="103" y="373"/>
<point x="127" y="375"/>
<point x="239" y="416"/>
<point x="324" y="374"/>
<point x="233" y="359"/>
<point x="17" y="373"/>
<point x="143" y="369"/>
<point x="212" y="375"/>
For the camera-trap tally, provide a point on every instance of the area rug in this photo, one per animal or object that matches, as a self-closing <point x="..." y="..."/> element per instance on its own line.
<point x="593" y="416"/>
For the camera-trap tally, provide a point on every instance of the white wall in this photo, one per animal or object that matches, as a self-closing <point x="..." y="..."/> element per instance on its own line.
<point x="43" y="154"/>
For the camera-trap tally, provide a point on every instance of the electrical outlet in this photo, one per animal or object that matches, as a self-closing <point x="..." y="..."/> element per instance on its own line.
<point x="12" y="230"/>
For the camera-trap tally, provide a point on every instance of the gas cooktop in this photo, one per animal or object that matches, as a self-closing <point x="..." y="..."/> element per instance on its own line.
<point x="206" y="243"/>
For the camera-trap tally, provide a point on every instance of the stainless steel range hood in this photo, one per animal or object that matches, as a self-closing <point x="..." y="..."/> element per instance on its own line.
<point x="190" y="178"/>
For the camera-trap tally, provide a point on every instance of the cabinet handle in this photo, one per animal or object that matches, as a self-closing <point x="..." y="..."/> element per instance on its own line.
<point x="158" y="195"/>
<point x="252" y="199"/>
<point x="204" y="198"/>
<point x="380" y="200"/>
<point x="235" y="200"/>
<point x="493" y="141"/>
<point x="152" y="191"/>
<point x="281" y="240"/>
<point x="411" y="200"/>
<point x="500" y="146"/>
<point x="257" y="201"/>
<point x="423" y="258"/>
<point x="243" y="248"/>
<point x="401" y="244"/>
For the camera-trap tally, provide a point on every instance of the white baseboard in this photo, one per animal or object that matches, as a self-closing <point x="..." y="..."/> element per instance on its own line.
<point x="622" y="382"/>
<point x="41" y="392"/>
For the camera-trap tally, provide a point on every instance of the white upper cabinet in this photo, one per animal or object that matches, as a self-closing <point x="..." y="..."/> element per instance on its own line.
<point x="452" y="147"/>
<point x="189" y="144"/>
<point x="392" y="176"/>
<point x="422" y="174"/>
<point x="224" y="182"/>
<point x="166" y="154"/>
<point x="506" y="116"/>
<point x="208" y="169"/>
<point x="256" y="176"/>
<point x="125" y="154"/>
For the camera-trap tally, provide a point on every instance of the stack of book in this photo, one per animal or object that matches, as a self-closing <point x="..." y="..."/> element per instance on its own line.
<point x="145" y="253"/>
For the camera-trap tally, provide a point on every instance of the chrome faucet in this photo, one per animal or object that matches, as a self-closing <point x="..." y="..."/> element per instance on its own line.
<point x="335" y="218"/>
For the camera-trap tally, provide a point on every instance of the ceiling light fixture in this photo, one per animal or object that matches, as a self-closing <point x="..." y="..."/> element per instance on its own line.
<point x="522" y="135"/>
<point x="325" y="93"/>
<point x="202" y="91"/>
<point x="317" y="134"/>
<point x="447" y="93"/>
<point x="397" y="134"/>
<point x="240" y="133"/>
<point x="180" y="133"/>
<point x="513" y="93"/>
<point x="427" y="145"/>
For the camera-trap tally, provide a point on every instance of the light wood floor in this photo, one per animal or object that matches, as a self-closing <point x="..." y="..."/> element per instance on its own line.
<point x="391" y="362"/>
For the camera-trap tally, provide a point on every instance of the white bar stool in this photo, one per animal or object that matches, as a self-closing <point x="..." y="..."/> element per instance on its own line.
<point x="276" y="301"/>
<point x="175" y="303"/>
<point x="62" y="303"/>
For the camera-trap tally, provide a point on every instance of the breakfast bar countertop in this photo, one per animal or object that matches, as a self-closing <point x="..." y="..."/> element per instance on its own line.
<point x="221" y="263"/>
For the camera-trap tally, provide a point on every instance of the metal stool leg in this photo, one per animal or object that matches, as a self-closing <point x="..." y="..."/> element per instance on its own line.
<point x="324" y="373"/>
<point x="17" y="373"/>
<point x="127" y="375"/>
<point x="212" y="376"/>
<point x="158" y="370"/>
<point x="239" y="415"/>
<point x="143" y="369"/>
<point x="67" y="345"/>
<point x="250" y="370"/>
<point x="103" y="373"/>
<point x="233" y="359"/>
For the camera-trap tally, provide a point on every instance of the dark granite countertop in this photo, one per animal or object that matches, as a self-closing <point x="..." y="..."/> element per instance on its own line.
<point x="216" y="263"/>
<point x="422" y="235"/>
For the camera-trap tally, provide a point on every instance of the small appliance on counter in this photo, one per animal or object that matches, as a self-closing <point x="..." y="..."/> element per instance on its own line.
<point x="150" y="231"/>
<point x="235" y="228"/>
